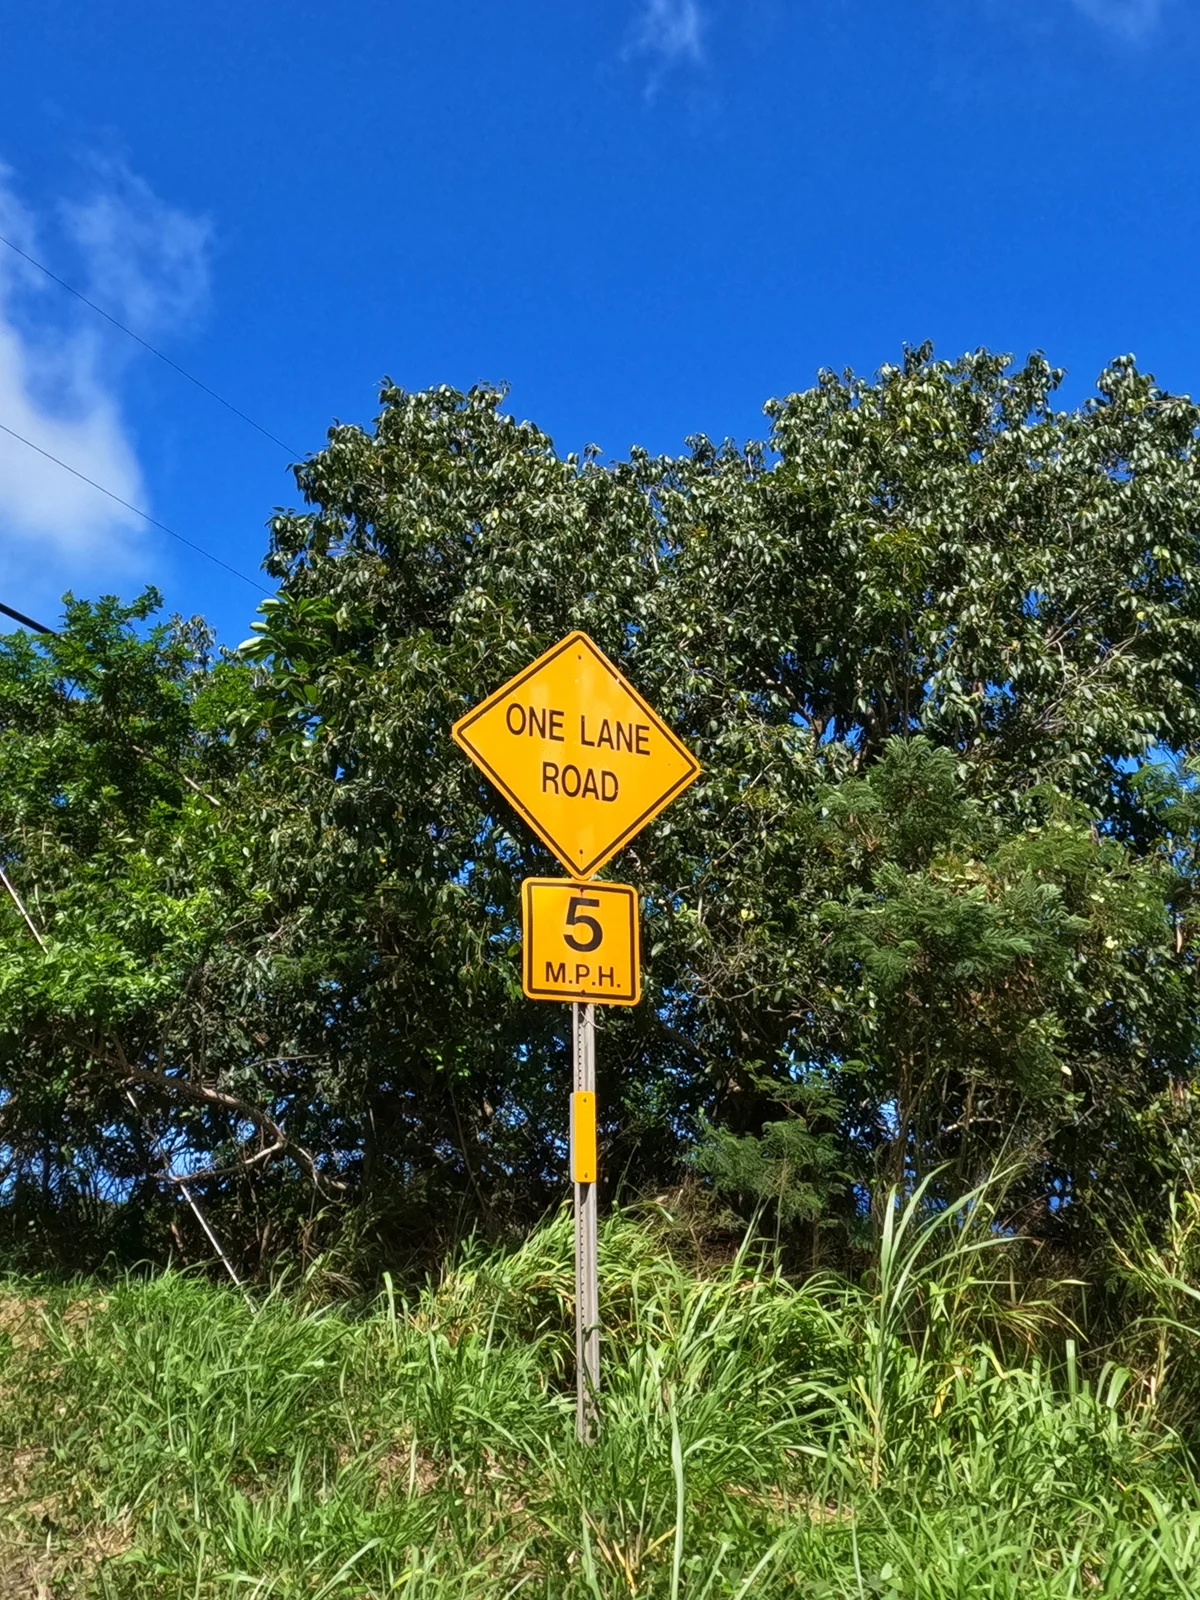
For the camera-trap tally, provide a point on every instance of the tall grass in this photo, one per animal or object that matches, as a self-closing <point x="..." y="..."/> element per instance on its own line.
<point x="926" y="1435"/>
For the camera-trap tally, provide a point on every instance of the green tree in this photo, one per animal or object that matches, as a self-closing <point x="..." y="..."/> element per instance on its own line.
<point x="139" y="986"/>
<point x="932" y="898"/>
<point x="937" y="554"/>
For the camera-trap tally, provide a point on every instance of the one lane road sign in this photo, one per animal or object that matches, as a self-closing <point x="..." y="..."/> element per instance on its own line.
<point x="578" y="752"/>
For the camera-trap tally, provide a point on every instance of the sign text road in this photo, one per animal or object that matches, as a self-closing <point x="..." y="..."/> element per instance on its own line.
<point x="580" y="941"/>
<point x="578" y="752"/>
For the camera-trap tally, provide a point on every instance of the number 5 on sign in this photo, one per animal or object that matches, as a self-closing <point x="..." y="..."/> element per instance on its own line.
<point x="581" y="942"/>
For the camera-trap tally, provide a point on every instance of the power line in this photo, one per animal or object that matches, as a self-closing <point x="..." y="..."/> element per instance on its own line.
<point x="137" y="511"/>
<point x="146" y="345"/>
<point x="26" y="622"/>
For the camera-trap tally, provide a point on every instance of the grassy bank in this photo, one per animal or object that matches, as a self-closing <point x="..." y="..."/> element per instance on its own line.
<point x="929" y="1434"/>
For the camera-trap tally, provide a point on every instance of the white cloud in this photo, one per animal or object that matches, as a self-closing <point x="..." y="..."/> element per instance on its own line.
<point x="60" y="371"/>
<point x="671" y="32"/>
<point x="147" y="261"/>
<point x="1134" y="19"/>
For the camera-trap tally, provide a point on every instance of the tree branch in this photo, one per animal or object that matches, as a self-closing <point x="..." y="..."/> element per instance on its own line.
<point x="20" y="905"/>
<point x="206" y="1094"/>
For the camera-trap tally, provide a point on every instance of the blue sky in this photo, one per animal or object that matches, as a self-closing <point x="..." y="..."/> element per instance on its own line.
<point x="646" y="216"/>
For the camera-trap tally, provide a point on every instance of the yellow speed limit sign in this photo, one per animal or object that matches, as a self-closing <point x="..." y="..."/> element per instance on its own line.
<point x="581" y="942"/>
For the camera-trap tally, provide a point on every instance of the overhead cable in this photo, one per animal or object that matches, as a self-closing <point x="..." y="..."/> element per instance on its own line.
<point x="146" y="345"/>
<point x="26" y="622"/>
<point x="137" y="511"/>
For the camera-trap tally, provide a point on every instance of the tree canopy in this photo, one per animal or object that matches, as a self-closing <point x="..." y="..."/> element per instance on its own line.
<point x="930" y="906"/>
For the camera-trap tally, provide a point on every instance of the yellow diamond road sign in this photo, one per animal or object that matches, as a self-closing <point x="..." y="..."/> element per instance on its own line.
<point x="578" y="752"/>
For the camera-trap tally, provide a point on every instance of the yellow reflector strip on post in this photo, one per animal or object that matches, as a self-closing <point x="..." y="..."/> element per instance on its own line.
<point x="583" y="1136"/>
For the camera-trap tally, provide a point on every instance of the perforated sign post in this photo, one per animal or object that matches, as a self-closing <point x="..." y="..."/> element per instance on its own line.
<point x="582" y="757"/>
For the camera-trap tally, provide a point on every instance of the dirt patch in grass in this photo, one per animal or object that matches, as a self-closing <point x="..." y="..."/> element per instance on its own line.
<point x="403" y="1471"/>
<point x="21" y="1320"/>
<point x="43" y="1560"/>
<point x="51" y="1546"/>
<point x="25" y="1576"/>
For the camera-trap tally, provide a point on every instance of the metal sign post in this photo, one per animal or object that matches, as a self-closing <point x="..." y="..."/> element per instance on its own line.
<point x="586" y="761"/>
<point x="587" y="1270"/>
